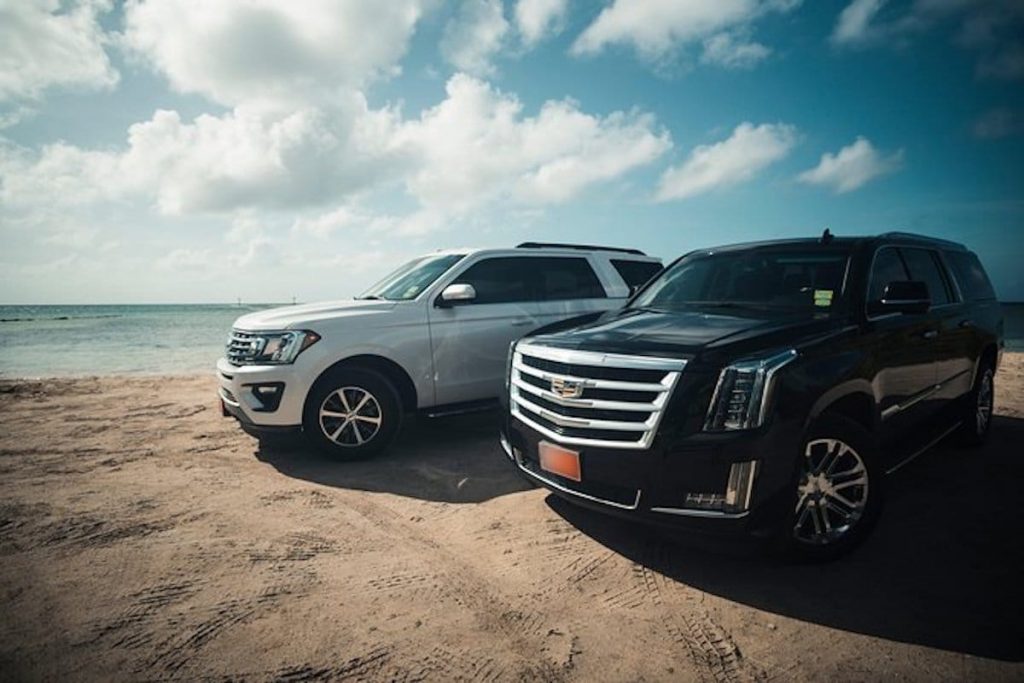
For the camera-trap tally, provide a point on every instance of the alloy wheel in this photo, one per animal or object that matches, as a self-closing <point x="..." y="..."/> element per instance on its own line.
<point x="350" y="416"/>
<point x="832" y="494"/>
<point x="983" y="410"/>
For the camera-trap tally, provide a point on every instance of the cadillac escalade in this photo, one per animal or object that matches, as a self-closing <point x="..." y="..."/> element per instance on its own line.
<point x="762" y="388"/>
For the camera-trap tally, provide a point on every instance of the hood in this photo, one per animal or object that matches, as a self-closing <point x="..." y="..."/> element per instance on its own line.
<point x="296" y="317"/>
<point x="687" y="333"/>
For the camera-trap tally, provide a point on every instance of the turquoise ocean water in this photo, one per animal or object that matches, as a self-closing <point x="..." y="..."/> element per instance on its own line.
<point x="59" y="341"/>
<point x="51" y="341"/>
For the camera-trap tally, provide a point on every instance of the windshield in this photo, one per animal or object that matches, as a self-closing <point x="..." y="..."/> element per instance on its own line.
<point x="795" y="278"/>
<point x="408" y="281"/>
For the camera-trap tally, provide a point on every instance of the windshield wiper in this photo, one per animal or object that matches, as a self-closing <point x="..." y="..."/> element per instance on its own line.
<point x="369" y="297"/>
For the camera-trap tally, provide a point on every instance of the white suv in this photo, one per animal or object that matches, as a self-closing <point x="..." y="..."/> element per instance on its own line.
<point x="432" y="336"/>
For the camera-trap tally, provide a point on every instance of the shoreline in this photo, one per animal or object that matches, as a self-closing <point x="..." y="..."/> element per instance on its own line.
<point x="1008" y="354"/>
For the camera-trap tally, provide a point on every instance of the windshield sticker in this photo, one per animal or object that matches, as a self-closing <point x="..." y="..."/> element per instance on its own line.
<point x="823" y="297"/>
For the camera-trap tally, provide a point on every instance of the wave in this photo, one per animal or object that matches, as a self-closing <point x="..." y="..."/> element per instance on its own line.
<point x="60" y="317"/>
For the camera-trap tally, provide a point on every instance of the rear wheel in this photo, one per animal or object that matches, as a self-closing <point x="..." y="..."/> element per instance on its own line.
<point x="352" y="414"/>
<point x="978" y="406"/>
<point x="838" y="492"/>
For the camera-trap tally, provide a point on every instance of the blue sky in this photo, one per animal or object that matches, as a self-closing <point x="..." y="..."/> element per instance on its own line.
<point x="187" y="151"/>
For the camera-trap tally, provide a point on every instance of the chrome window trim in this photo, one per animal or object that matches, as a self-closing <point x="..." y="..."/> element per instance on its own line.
<point x="942" y="265"/>
<point x="871" y="272"/>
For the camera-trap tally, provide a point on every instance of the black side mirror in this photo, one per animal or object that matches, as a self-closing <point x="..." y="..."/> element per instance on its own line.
<point x="906" y="297"/>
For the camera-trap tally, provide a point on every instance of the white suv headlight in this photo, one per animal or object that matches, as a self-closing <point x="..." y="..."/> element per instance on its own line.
<point x="743" y="391"/>
<point x="269" y="348"/>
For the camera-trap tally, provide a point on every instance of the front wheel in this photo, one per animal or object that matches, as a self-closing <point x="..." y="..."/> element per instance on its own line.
<point x="838" y="493"/>
<point x="352" y="414"/>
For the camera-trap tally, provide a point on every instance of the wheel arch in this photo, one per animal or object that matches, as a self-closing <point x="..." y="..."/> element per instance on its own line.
<point x="383" y="366"/>
<point x="854" y="401"/>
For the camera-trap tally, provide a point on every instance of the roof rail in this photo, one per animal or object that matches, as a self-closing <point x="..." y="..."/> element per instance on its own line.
<point x="924" y="238"/>
<point x="581" y="247"/>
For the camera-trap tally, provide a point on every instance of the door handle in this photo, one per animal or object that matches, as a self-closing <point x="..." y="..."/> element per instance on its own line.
<point x="964" y="324"/>
<point x="520" y="322"/>
<point x="930" y="334"/>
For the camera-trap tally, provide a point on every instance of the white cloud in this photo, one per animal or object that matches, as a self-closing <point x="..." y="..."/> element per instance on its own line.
<point x="474" y="36"/>
<point x="235" y="51"/>
<point x="852" y="167"/>
<point x="735" y="160"/>
<point x="656" y="29"/>
<point x="248" y="157"/>
<point x="854" y="24"/>
<point x="733" y="51"/>
<point x="44" y="45"/>
<point x="537" y="19"/>
<point x="476" y="146"/>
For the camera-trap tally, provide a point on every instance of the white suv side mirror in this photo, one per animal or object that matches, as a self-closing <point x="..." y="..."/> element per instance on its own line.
<point x="458" y="293"/>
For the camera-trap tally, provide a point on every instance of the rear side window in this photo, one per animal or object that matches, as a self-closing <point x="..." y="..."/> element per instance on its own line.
<point x="636" y="273"/>
<point x="923" y="267"/>
<point x="970" y="275"/>
<point x="564" y="278"/>
<point x="887" y="267"/>
<point x="499" y="280"/>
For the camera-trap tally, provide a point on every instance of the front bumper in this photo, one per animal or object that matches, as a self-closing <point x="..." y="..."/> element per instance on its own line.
<point x="267" y="398"/>
<point x="652" y="485"/>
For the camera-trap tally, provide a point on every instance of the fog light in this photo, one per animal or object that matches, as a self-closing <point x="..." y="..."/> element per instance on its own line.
<point x="267" y="395"/>
<point x="737" y="491"/>
<point x="740" y="486"/>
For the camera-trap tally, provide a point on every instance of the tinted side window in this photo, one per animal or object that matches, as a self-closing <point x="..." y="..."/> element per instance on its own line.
<point x="969" y="274"/>
<point x="636" y="273"/>
<point x="923" y="267"/>
<point x="888" y="267"/>
<point x="564" y="278"/>
<point x="498" y="280"/>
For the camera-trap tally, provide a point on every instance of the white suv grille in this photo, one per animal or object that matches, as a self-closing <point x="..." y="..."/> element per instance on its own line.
<point x="591" y="398"/>
<point x="242" y="347"/>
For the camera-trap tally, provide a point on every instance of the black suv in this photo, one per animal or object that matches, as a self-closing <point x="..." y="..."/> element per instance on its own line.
<point x="763" y="388"/>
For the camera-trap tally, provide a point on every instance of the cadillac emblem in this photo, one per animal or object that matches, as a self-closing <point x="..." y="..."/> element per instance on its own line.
<point x="566" y="388"/>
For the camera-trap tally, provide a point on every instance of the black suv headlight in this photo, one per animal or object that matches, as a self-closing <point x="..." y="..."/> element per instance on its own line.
<point x="743" y="392"/>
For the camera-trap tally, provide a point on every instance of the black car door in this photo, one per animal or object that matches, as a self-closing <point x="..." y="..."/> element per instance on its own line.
<point x="902" y="347"/>
<point x="952" y="347"/>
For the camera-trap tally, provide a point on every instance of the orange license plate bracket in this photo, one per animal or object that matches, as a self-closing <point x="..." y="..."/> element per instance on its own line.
<point x="560" y="461"/>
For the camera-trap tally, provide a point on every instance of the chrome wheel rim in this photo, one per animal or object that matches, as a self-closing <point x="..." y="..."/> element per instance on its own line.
<point x="350" y="417"/>
<point x="832" y="494"/>
<point x="983" y="412"/>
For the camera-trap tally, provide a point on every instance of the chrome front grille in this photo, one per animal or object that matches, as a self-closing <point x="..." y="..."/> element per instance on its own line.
<point x="590" y="398"/>
<point x="242" y="347"/>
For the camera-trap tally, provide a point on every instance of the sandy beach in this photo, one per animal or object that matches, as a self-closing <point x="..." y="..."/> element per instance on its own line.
<point x="143" y="536"/>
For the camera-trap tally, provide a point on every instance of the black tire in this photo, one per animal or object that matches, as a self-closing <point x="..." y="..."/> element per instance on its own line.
<point x="814" y="491"/>
<point x="356" y="437"/>
<point x="979" y="404"/>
